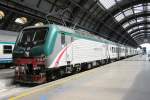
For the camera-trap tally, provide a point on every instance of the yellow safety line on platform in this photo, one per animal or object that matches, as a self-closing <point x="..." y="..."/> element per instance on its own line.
<point x="52" y="85"/>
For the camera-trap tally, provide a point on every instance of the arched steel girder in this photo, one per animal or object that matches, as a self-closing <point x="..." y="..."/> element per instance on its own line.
<point x="142" y="34"/>
<point x="130" y="18"/>
<point x="125" y="4"/>
<point x="138" y="33"/>
<point x="133" y="16"/>
<point x="143" y="28"/>
<point x="139" y="39"/>
<point x="136" y="24"/>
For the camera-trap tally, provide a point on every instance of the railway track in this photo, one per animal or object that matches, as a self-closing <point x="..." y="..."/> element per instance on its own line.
<point x="7" y="86"/>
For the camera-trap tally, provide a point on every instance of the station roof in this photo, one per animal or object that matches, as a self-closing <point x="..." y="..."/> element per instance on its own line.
<point x="122" y="21"/>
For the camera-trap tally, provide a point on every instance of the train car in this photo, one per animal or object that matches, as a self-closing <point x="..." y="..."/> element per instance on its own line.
<point x="7" y="42"/>
<point x="42" y="54"/>
<point x="6" y="49"/>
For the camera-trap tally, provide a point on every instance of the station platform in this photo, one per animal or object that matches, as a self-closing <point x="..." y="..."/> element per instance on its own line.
<point x="128" y="79"/>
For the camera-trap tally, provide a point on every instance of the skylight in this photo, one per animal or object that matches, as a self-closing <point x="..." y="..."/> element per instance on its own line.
<point x="128" y="12"/>
<point x="148" y="7"/>
<point x="120" y="17"/>
<point x="132" y="21"/>
<point x="140" y="19"/>
<point x="138" y="9"/>
<point x="135" y="28"/>
<point x="125" y="25"/>
<point x="130" y="30"/>
<point x="135" y="33"/>
<point x="148" y="18"/>
<point x="141" y="26"/>
<point x="107" y="3"/>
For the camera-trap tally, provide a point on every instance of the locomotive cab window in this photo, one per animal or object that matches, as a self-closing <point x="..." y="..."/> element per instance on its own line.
<point x="36" y="36"/>
<point x="7" y="49"/>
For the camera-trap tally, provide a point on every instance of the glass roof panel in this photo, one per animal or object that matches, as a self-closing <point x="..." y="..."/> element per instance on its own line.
<point x="128" y="12"/>
<point x="148" y="25"/>
<point x="138" y="9"/>
<point x="132" y="21"/>
<point x="137" y="32"/>
<point x="136" y="27"/>
<point x="130" y="30"/>
<point x="141" y="26"/>
<point x="148" y="18"/>
<point x="140" y="19"/>
<point x="134" y="33"/>
<point x="120" y="17"/>
<point x="148" y="7"/>
<point x="107" y="3"/>
<point x="125" y="25"/>
<point x="118" y="0"/>
<point x="138" y="35"/>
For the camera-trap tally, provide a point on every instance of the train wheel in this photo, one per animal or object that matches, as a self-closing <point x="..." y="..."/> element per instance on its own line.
<point x="78" y="68"/>
<point x="61" y="73"/>
<point x="51" y="76"/>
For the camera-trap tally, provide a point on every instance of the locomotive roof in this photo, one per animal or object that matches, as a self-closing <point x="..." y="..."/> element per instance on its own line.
<point x="81" y="33"/>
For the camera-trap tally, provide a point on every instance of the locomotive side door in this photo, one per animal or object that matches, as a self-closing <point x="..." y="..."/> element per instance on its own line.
<point x="68" y="47"/>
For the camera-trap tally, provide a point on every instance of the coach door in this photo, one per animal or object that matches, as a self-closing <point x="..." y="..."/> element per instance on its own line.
<point x="107" y="54"/>
<point x="118" y="51"/>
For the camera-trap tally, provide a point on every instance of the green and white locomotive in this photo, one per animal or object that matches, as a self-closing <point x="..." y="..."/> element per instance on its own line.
<point x="43" y="53"/>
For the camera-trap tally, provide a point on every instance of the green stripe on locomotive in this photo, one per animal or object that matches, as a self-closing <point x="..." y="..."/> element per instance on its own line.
<point x="7" y="42"/>
<point x="48" y="46"/>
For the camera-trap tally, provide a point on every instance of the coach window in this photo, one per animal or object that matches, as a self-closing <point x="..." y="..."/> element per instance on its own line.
<point x="7" y="49"/>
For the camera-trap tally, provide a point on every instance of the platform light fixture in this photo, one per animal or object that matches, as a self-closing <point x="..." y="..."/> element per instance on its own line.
<point x="2" y="15"/>
<point x="39" y="24"/>
<point x="21" y="20"/>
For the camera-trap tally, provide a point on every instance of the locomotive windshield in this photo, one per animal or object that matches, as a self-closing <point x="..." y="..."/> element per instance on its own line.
<point x="34" y="35"/>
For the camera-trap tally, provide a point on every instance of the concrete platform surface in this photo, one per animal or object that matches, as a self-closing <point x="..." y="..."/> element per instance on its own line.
<point x="128" y="79"/>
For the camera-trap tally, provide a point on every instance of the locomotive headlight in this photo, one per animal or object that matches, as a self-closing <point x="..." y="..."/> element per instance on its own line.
<point x="36" y="68"/>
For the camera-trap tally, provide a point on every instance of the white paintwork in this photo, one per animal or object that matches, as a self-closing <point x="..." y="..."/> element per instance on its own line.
<point x="83" y="50"/>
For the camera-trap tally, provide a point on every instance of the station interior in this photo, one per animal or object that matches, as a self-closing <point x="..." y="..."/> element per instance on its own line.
<point x="74" y="49"/>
